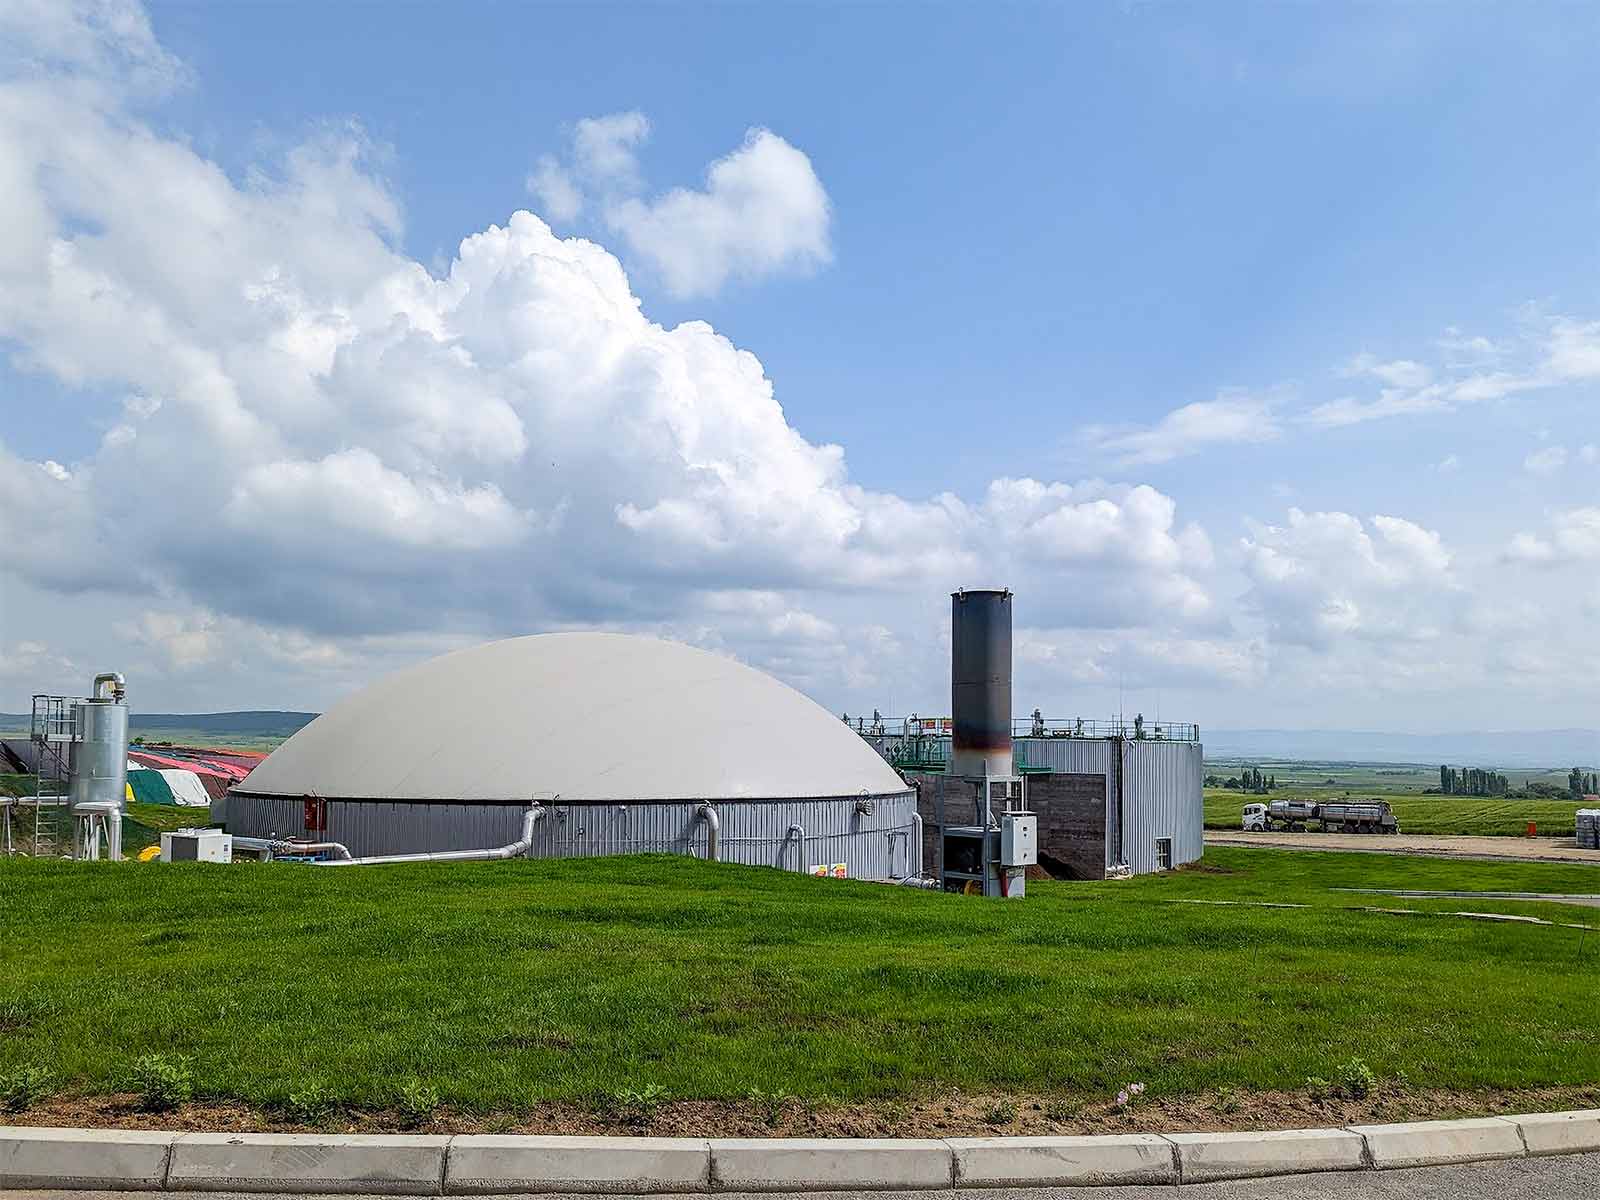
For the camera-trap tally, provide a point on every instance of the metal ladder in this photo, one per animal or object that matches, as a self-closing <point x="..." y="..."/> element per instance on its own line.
<point x="52" y="733"/>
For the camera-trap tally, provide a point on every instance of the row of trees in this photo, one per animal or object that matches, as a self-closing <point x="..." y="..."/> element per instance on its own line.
<point x="1472" y="781"/>
<point x="1249" y="780"/>
<point x="1475" y="781"/>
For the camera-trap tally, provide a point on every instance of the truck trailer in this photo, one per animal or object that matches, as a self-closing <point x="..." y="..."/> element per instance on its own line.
<point x="1345" y="816"/>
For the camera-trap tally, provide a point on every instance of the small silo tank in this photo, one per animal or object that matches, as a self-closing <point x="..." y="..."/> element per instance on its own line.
<point x="98" y="763"/>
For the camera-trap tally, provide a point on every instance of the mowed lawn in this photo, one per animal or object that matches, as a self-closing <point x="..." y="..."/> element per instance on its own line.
<point x="506" y="983"/>
<point x="1487" y="816"/>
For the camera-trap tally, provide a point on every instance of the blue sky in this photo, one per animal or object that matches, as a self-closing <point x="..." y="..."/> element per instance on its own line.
<point x="1046" y="229"/>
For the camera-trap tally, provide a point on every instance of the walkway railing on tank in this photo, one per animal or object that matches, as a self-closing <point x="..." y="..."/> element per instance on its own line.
<point x="897" y="730"/>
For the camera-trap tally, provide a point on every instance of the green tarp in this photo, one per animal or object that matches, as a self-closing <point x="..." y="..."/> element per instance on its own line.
<point x="149" y="788"/>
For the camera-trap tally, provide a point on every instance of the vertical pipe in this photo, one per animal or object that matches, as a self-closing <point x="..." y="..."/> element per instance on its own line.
<point x="799" y="835"/>
<point x="713" y="831"/>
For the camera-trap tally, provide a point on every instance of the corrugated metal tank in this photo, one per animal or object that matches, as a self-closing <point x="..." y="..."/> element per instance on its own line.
<point x="1154" y="792"/>
<point x="1163" y="798"/>
<point x="796" y="835"/>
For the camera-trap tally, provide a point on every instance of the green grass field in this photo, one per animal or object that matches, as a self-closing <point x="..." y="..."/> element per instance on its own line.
<point x="1486" y="816"/>
<point x="1312" y="777"/>
<point x="503" y="984"/>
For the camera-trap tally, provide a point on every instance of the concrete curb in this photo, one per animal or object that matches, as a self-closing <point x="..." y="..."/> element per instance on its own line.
<point x="409" y="1165"/>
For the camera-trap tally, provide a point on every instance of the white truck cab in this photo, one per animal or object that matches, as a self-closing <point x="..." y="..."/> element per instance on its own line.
<point x="1255" y="818"/>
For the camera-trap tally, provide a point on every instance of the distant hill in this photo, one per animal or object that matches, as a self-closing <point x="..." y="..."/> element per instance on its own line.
<point x="1530" y="748"/>
<point x="257" y="723"/>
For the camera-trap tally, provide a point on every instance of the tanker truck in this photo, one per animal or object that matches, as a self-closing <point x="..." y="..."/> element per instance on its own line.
<point x="1344" y="816"/>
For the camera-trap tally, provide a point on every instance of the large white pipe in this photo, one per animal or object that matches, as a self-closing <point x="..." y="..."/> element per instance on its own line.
<point x="512" y="850"/>
<point x="274" y="846"/>
<point x="713" y="831"/>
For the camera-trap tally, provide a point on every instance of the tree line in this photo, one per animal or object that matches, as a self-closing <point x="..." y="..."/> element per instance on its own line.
<point x="1249" y="780"/>
<point x="1476" y="781"/>
<point x="1472" y="781"/>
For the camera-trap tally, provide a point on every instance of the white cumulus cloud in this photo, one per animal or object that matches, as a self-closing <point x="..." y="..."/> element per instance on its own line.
<point x="762" y="211"/>
<point x="330" y="454"/>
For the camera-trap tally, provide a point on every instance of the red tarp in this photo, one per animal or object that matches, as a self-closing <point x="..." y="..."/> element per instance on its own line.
<point x="158" y="761"/>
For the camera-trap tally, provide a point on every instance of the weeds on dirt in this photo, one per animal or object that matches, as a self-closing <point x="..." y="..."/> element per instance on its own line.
<point x="773" y="1104"/>
<point x="1063" y="1111"/>
<point x="1352" y="1080"/>
<point x="24" y="1087"/>
<point x="417" y="1101"/>
<point x="312" y="1103"/>
<point x="636" y="1106"/>
<point x="1227" y="1101"/>
<point x="1355" y="1079"/>
<point x="1003" y="1112"/>
<point x="163" y="1081"/>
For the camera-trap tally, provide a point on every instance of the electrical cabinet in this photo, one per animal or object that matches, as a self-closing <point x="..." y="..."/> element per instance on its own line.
<point x="1019" y="839"/>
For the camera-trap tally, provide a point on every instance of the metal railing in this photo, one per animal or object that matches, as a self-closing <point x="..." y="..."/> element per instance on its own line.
<point x="1135" y="728"/>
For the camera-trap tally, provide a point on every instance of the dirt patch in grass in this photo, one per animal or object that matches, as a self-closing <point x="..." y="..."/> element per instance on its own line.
<point x="952" y="1114"/>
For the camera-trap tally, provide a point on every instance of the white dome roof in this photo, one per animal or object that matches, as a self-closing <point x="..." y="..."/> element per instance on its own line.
<point x="587" y="716"/>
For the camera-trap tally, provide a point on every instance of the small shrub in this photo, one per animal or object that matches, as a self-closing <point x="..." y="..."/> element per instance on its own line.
<point x="417" y="1101"/>
<point x="773" y="1104"/>
<point x="1355" y="1079"/>
<point x="637" y="1106"/>
<point x="1227" y="1100"/>
<point x="163" y="1081"/>
<point x="1002" y="1113"/>
<point x="312" y="1103"/>
<point x="26" y="1086"/>
<point x="1062" y="1111"/>
<point x="1319" y="1087"/>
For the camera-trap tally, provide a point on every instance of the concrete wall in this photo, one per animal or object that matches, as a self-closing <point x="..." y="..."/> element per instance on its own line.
<point x="1072" y="818"/>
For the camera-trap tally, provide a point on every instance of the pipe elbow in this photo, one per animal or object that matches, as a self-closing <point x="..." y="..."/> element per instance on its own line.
<point x="119" y="687"/>
<point x="713" y="830"/>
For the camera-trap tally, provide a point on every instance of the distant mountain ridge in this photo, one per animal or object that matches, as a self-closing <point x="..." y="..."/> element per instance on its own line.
<point x="1501" y="748"/>
<point x="264" y="722"/>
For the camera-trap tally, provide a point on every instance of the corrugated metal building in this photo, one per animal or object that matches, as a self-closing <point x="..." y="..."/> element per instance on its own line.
<point x="1104" y="803"/>
<point x="448" y="755"/>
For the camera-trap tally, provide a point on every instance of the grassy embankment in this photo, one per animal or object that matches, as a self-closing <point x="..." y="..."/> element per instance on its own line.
<point x="1486" y="816"/>
<point x="505" y="984"/>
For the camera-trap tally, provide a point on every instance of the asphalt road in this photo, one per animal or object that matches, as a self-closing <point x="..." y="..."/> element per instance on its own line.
<point x="1571" y="1177"/>
<point x="1519" y="849"/>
